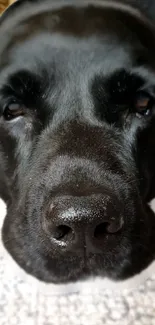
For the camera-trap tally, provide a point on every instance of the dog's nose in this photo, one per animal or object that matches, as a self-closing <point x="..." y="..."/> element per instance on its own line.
<point x="75" y="224"/>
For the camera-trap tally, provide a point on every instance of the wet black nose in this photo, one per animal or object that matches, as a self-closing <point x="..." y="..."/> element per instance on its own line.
<point x="83" y="223"/>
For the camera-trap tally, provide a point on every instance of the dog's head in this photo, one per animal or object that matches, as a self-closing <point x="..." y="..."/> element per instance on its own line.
<point x="77" y="121"/>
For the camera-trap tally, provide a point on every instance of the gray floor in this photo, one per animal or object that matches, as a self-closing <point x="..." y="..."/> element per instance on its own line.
<point x="23" y="301"/>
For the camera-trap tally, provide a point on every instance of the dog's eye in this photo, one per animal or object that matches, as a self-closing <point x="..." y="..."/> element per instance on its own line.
<point x="143" y="104"/>
<point x="13" y="110"/>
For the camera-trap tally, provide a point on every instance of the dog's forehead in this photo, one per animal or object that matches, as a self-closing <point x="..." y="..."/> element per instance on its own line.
<point x="59" y="53"/>
<point x="77" y="38"/>
<point x="71" y="41"/>
<point x="80" y="22"/>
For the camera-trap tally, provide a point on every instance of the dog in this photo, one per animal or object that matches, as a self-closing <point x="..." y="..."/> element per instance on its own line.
<point x="77" y="137"/>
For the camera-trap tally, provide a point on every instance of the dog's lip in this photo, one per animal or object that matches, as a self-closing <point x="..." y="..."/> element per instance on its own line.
<point x="79" y="275"/>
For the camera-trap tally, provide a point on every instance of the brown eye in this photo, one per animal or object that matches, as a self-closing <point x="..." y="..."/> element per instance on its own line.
<point x="13" y="110"/>
<point x="143" y="104"/>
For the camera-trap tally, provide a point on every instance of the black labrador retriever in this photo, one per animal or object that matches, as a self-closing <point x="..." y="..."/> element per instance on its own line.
<point x="77" y="137"/>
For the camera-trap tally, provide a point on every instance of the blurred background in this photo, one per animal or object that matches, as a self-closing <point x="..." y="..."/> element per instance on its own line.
<point x="4" y="4"/>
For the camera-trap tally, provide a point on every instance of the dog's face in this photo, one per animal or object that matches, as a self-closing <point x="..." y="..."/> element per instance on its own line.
<point x="77" y="105"/>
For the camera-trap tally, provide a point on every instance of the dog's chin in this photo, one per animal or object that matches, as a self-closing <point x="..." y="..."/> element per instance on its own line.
<point x="81" y="273"/>
<point x="73" y="269"/>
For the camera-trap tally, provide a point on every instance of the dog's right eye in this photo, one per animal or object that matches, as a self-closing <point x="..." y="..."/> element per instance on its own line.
<point x="143" y="104"/>
<point x="13" y="110"/>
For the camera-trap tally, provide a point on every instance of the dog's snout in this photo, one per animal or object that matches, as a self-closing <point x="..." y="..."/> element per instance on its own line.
<point x="85" y="222"/>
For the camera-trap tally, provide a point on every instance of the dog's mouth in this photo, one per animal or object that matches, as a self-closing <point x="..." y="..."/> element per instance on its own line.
<point x="131" y="253"/>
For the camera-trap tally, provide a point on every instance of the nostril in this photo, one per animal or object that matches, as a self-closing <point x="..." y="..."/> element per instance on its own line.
<point x="115" y="227"/>
<point x="107" y="228"/>
<point x="61" y="232"/>
<point x="101" y="230"/>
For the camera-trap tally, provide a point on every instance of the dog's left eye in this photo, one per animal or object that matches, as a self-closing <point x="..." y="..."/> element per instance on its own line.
<point x="143" y="104"/>
<point x="13" y="110"/>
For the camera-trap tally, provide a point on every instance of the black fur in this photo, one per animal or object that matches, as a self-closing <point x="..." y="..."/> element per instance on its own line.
<point x="76" y="68"/>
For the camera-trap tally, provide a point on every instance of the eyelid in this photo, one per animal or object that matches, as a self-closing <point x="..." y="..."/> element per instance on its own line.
<point x="148" y="89"/>
<point x="9" y="101"/>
